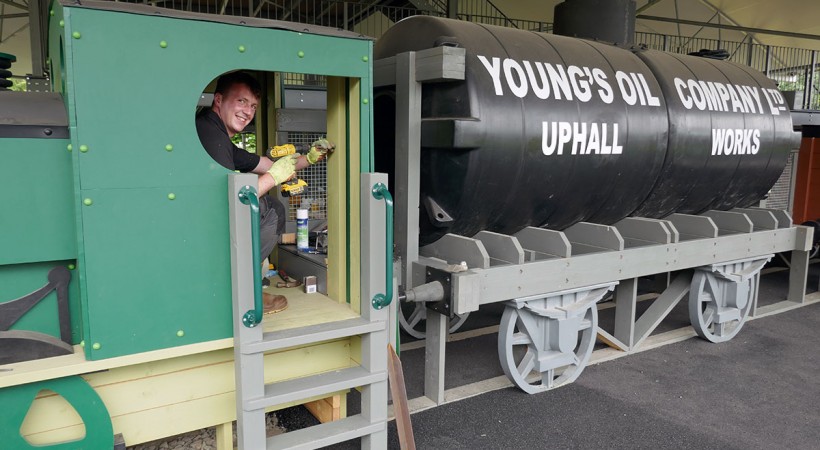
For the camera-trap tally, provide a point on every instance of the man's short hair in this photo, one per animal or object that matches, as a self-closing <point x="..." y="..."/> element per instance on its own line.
<point x="225" y="82"/>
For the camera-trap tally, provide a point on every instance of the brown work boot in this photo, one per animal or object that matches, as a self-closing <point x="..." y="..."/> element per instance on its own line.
<point x="272" y="304"/>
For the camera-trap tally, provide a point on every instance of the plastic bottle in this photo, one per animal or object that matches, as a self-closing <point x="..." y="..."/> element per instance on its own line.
<point x="301" y="229"/>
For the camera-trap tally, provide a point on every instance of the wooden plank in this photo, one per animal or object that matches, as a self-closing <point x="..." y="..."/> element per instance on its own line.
<point x="400" y="407"/>
<point x="326" y="409"/>
<point x="224" y="436"/>
<point x="303" y="309"/>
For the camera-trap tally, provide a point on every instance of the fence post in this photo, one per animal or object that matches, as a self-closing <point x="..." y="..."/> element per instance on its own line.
<point x="452" y="9"/>
<point x="809" y="90"/>
<point x="768" y="68"/>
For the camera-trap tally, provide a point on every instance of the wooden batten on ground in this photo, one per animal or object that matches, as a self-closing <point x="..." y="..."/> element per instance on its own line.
<point x="328" y="409"/>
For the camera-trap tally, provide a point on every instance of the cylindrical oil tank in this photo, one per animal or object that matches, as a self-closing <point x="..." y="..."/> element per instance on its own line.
<point x="549" y="131"/>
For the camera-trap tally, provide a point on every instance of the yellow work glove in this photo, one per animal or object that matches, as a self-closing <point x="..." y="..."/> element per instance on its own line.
<point x="283" y="168"/>
<point x="319" y="149"/>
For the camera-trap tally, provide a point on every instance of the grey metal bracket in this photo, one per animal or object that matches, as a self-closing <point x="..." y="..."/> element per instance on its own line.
<point x="588" y="238"/>
<point x="454" y="249"/>
<point x="761" y="219"/>
<point x="432" y="65"/>
<point x="661" y="307"/>
<point x="730" y="222"/>
<point x="722" y="297"/>
<point x="546" y="341"/>
<point x="539" y="244"/>
<point x="693" y="227"/>
<point x="641" y="231"/>
<point x="784" y="220"/>
<point x="445" y="305"/>
<point x="502" y="248"/>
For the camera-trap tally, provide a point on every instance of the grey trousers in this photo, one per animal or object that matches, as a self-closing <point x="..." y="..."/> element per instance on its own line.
<point x="272" y="218"/>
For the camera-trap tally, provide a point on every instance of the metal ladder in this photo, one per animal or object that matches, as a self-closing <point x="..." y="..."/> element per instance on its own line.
<point x="253" y="396"/>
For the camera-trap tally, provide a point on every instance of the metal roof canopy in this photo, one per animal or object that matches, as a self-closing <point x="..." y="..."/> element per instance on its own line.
<point x="786" y="23"/>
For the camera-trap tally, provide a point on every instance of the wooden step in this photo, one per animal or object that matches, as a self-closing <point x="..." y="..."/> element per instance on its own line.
<point x="277" y="340"/>
<point x="313" y="386"/>
<point x="326" y="434"/>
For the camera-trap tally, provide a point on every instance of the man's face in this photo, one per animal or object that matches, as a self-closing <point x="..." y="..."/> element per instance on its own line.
<point x="236" y="108"/>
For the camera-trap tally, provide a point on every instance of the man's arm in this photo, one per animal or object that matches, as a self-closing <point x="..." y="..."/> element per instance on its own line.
<point x="266" y="182"/>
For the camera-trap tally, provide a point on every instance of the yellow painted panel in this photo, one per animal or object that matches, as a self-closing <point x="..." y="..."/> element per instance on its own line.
<point x="337" y="190"/>
<point x="303" y="310"/>
<point x="355" y="191"/>
<point x="150" y="408"/>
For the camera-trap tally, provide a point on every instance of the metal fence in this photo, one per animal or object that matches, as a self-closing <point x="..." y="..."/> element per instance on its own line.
<point x="794" y="69"/>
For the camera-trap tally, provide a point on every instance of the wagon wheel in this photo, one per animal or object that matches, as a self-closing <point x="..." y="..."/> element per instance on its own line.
<point x="718" y="309"/>
<point x="413" y="316"/>
<point x="533" y="353"/>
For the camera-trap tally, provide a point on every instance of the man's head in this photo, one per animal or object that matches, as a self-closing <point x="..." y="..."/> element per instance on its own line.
<point x="235" y="100"/>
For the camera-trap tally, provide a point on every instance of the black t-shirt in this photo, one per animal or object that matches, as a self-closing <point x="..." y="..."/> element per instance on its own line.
<point x="214" y="138"/>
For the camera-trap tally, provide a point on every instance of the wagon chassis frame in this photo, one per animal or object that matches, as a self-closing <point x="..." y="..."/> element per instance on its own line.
<point x="536" y="264"/>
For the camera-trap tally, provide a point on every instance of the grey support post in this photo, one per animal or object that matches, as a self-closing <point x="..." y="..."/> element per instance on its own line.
<point x="408" y="149"/>
<point x="249" y="372"/>
<point x="374" y="345"/>
<point x="436" y="65"/>
<point x="799" y="265"/>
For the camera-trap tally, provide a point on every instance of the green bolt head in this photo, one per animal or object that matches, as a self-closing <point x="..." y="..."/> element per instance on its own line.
<point x="87" y="202"/>
<point x="163" y="44"/>
<point x="76" y="35"/>
<point x="365" y="101"/>
<point x="69" y="147"/>
<point x="83" y="148"/>
<point x="300" y="54"/>
<point x="241" y="49"/>
<point x="180" y="333"/>
<point x="82" y="344"/>
<point x="62" y="23"/>
<point x="51" y="13"/>
<point x="169" y="147"/>
<point x="365" y="59"/>
<point x="71" y="267"/>
<point x="96" y="346"/>
<point x="171" y="196"/>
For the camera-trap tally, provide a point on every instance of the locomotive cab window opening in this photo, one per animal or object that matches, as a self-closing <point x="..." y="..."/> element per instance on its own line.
<point x="289" y="114"/>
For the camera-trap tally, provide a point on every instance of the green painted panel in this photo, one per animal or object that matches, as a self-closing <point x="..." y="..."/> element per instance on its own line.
<point x="18" y="280"/>
<point x="133" y="96"/>
<point x="150" y="267"/>
<point x="36" y="211"/>
<point x="155" y="266"/>
<point x="86" y="403"/>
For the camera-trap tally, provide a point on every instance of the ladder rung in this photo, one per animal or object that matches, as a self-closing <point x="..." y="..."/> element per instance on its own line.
<point x="313" y="386"/>
<point x="326" y="434"/>
<point x="277" y="340"/>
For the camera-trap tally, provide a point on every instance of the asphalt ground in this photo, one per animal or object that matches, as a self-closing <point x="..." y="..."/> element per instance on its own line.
<point x="759" y="390"/>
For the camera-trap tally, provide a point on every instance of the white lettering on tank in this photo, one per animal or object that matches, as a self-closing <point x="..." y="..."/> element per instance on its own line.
<point x="735" y="141"/>
<point x="585" y="138"/>
<point x="494" y="69"/>
<point x="605" y="91"/>
<point x="560" y="82"/>
<point x="517" y="83"/>
<point x="542" y="91"/>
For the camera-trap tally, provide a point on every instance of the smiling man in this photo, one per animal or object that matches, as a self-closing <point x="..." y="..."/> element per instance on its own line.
<point x="236" y="99"/>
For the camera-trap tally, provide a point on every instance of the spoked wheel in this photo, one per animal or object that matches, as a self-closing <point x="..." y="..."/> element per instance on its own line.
<point x="719" y="309"/>
<point x="539" y="352"/>
<point x="413" y="318"/>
